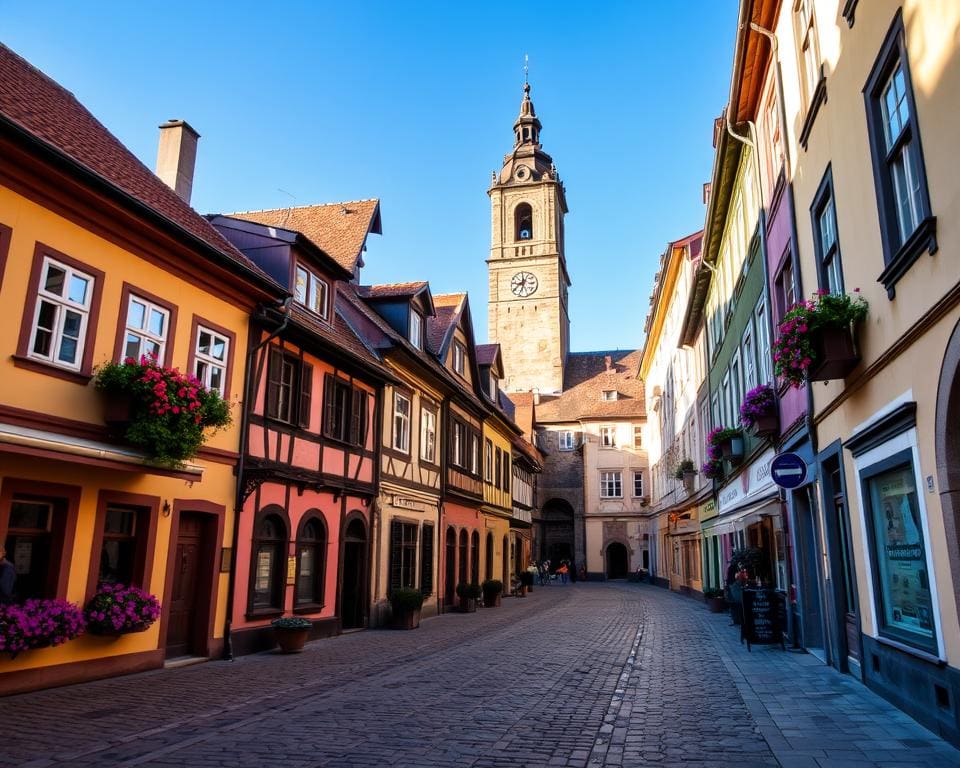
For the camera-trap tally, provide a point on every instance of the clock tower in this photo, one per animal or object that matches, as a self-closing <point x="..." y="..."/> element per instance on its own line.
<point x="528" y="314"/>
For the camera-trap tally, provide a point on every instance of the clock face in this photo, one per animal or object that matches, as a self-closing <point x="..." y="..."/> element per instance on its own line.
<point x="523" y="283"/>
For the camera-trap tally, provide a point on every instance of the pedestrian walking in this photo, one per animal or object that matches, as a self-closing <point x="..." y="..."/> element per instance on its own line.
<point x="563" y="570"/>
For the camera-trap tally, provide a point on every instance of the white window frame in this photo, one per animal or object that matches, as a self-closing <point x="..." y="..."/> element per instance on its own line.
<point x="608" y="431"/>
<point x="637" y="478"/>
<point x="637" y="438"/>
<point x="474" y="453"/>
<point x="488" y="460"/>
<point x="764" y="366"/>
<point x="144" y="335"/>
<point x="611" y="484"/>
<point x="401" y="422"/>
<point x="62" y="304"/>
<point x="608" y="395"/>
<point x="428" y="435"/>
<point x="209" y="361"/>
<point x="416" y="329"/>
<point x="308" y="297"/>
<point x="459" y="357"/>
<point x="565" y="440"/>
<point x="749" y="358"/>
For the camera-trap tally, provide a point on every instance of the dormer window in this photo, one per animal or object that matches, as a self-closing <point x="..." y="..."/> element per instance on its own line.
<point x="459" y="357"/>
<point x="523" y="216"/>
<point x="608" y="394"/>
<point x="312" y="292"/>
<point x="494" y="387"/>
<point x="416" y="329"/>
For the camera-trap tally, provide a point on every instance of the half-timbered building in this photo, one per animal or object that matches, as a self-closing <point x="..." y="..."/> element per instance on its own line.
<point x="308" y="474"/>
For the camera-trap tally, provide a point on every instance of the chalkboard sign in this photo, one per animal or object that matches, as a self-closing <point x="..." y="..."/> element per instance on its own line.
<point x="762" y="618"/>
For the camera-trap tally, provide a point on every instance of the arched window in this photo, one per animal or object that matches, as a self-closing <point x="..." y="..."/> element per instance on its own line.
<point x="269" y="561"/>
<point x="463" y="557"/>
<point x="523" y="218"/>
<point x="475" y="558"/>
<point x="311" y="561"/>
<point x="489" y="568"/>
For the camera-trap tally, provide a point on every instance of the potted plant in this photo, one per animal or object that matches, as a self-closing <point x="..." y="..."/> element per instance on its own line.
<point x="758" y="411"/>
<point x="39" y="623"/>
<point x="291" y="633"/>
<point x="468" y="593"/>
<point x="491" y="593"/>
<point x="159" y="410"/>
<point x="729" y="442"/>
<point x="815" y="338"/>
<point x="714" y="600"/>
<point x="712" y="469"/>
<point x="526" y="582"/>
<point x="406" y="603"/>
<point x="117" y="610"/>
<point x="686" y="472"/>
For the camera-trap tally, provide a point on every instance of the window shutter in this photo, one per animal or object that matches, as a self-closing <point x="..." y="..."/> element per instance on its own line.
<point x="358" y="416"/>
<point x="329" y="406"/>
<point x="306" y="393"/>
<point x="426" y="560"/>
<point x="274" y="375"/>
<point x="396" y="559"/>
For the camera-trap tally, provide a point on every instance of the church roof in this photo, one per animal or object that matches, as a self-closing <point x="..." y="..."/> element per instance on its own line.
<point x="339" y="229"/>
<point x="586" y="376"/>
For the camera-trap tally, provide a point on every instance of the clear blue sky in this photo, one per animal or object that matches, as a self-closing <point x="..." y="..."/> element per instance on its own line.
<point x="414" y="103"/>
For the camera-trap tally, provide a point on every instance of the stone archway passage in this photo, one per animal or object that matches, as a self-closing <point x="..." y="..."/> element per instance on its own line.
<point x="558" y="534"/>
<point x="617" y="561"/>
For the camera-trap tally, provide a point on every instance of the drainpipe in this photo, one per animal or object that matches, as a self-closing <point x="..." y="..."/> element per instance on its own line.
<point x="284" y="309"/>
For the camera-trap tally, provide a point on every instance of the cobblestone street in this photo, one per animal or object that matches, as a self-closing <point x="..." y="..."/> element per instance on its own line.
<point x="583" y="675"/>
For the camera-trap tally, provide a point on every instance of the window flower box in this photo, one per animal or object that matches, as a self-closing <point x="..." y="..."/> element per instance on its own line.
<point x="758" y="411"/>
<point x="39" y="624"/>
<point x="816" y="339"/>
<point x="725" y="443"/>
<point x="159" y="410"/>
<point x="117" y="610"/>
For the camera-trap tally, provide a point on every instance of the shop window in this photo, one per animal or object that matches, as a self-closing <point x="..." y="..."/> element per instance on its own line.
<point x="269" y="563"/>
<point x="311" y="562"/>
<point x="901" y="572"/>
<point x="34" y="542"/>
<point x="426" y="560"/>
<point x="403" y="554"/>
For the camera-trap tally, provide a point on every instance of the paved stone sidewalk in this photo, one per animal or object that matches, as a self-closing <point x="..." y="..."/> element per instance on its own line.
<point x="584" y="676"/>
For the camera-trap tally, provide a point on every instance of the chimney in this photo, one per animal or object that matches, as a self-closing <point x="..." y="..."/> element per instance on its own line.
<point x="176" y="157"/>
<point x="608" y="362"/>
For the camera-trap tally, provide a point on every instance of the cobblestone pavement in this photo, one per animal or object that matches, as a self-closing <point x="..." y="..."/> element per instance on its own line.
<point x="585" y="675"/>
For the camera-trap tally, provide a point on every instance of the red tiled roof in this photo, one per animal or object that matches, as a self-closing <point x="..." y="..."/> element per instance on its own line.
<point x="586" y="377"/>
<point x="391" y="290"/>
<point x="339" y="335"/>
<point x="50" y="113"/>
<point x="338" y="229"/>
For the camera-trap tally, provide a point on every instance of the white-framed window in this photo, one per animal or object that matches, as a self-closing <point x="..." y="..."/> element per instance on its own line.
<point x="764" y="360"/>
<point x="736" y="387"/>
<point x="428" y="435"/>
<point x="749" y="359"/>
<point x="63" y="311"/>
<point x="459" y="357"/>
<point x="457" y="447"/>
<point x="637" y="483"/>
<point x="566" y="440"/>
<point x="805" y="25"/>
<point x="416" y="329"/>
<point x="146" y="329"/>
<point x="608" y="394"/>
<point x="608" y="436"/>
<point x="717" y="415"/>
<point x="488" y="461"/>
<point x="725" y="406"/>
<point x="474" y="453"/>
<point x="210" y="359"/>
<point x="312" y="291"/>
<point x="637" y="437"/>
<point x="401" y="422"/>
<point x="611" y="485"/>
<point x="494" y="387"/>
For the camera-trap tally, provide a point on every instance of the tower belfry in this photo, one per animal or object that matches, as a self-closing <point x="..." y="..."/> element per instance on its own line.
<point x="528" y="314"/>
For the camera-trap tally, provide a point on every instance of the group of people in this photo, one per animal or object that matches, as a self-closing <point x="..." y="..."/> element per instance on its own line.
<point x="545" y="572"/>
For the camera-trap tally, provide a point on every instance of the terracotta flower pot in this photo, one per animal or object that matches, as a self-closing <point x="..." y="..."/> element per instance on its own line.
<point x="468" y="605"/>
<point x="491" y="599"/>
<point x="689" y="479"/>
<point x="836" y="354"/>
<point x="291" y="640"/>
<point x="406" y="619"/>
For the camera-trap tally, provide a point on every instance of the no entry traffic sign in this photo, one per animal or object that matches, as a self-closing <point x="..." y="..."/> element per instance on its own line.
<point x="788" y="470"/>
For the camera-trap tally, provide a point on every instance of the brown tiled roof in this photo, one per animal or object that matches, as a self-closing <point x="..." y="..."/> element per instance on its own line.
<point x="448" y="307"/>
<point x="487" y="353"/>
<point x="51" y="114"/>
<point x="339" y="335"/>
<point x="391" y="290"/>
<point x="338" y="229"/>
<point x="585" y="377"/>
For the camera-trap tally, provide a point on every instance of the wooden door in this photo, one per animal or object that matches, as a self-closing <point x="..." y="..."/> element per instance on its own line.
<point x="352" y="603"/>
<point x="182" y="627"/>
<point x="848" y="586"/>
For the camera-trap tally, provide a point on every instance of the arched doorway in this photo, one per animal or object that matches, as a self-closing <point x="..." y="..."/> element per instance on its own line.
<point x="618" y="561"/>
<point x="557" y="540"/>
<point x="450" y="568"/>
<point x="353" y="605"/>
